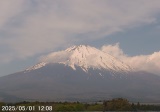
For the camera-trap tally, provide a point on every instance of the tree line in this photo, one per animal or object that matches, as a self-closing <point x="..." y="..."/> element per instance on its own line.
<point x="118" y="104"/>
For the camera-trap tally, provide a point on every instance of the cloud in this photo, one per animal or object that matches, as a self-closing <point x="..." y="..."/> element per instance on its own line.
<point x="114" y="50"/>
<point x="33" y="27"/>
<point x="149" y="63"/>
<point x="10" y="9"/>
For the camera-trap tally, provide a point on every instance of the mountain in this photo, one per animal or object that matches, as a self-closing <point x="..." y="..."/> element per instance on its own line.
<point x="85" y="57"/>
<point x="80" y="73"/>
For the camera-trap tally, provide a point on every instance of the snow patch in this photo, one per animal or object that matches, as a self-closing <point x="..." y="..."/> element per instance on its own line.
<point x="37" y="66"/>
<point x="85" y="57"/>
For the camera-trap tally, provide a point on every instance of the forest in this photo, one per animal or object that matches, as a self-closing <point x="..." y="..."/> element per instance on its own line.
<point x="118" y="104"/>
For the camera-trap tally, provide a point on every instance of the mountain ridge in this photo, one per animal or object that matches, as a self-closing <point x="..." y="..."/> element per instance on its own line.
<point x="68" y="76"/>
<point x="85" y="57"/>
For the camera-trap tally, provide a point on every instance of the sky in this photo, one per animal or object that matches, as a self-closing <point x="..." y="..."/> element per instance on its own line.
<point x="127" y="29"/>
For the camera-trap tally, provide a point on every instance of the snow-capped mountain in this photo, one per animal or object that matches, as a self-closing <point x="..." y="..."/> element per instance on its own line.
<point x="85" y="57"/>
<point x="80" y="73"/>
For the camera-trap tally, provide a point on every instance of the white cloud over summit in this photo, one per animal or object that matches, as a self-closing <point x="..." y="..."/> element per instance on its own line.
<point x="149" y="63"/>
<point x="30" y="27"/>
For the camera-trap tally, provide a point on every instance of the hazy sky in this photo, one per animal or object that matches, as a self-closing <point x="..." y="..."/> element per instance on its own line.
<point x="31" y="28"/>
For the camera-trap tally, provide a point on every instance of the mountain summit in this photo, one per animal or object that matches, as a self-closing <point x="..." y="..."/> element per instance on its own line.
<point x="80" y="73"/>
<point x="84" y="57"/>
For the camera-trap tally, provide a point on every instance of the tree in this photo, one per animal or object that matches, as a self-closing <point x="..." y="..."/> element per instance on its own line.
<point x="118" y="104"/>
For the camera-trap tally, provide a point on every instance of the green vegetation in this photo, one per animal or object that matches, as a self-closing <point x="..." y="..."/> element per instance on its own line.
<point x="118" y="104"/>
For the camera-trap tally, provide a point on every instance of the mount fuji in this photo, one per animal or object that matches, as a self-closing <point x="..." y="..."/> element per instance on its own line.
<point x="80" y="73"/>
<point x="85" y="57"/>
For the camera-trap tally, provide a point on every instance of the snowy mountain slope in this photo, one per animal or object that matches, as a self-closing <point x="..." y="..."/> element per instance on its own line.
<point x="58" y="82"/>
<point x="85" y="57"/>
<point x="80" y="73"/>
